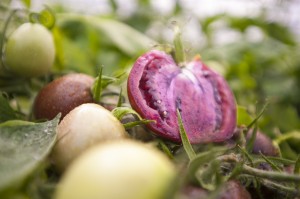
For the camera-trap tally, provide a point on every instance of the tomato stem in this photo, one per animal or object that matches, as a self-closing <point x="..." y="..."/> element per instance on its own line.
<point x="46" y="17"/>
<point x="97" y="89"/>
<point x="2" y="39"/>
<point x="271" y="175"/>
<point x="178" y="45"/>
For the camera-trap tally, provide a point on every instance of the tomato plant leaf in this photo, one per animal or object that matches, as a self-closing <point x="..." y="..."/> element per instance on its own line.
<point x="185" y="141"/>
<point x="277" y="160"/>
<point x="23" y="148"/>
<point x="130" y="41"/>
<point x="259" y="115"/>
<point x="250" y="144"/>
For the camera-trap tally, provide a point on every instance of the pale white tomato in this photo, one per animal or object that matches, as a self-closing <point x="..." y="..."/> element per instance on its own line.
<point x="123" y="169"/>
<point x="30" y="51"/>
<point x="83" y="127"/>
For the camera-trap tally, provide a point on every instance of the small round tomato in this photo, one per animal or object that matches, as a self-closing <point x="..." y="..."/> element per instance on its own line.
<point x="262" y="144"/>
<point x="30" y="51"/>
<point x="62" y="95"/>
<point x="85" y="126"/>
<point x="124" y="169"/>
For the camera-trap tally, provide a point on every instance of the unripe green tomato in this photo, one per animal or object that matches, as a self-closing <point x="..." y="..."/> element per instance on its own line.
<point x="123" y="169"/>
<point x="30" y="51"/>
<point x="83" y="127"/>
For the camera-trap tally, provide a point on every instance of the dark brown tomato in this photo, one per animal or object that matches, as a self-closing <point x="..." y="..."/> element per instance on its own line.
<point x="158" y="87"/>
<point x="62" y="95"/>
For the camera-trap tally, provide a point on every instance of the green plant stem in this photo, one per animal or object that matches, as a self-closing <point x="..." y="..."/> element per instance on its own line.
<point x="287" y="136"/>
<point x="271" y="175"/>
<point x="136" y="123"/>
<point x="120" y="99"/>
<point x="179" y="49"/>
<point x="98" y="89"/>
<point x="281" y="188"/>
<point x="297" y="166"/>
<point x="5" y="27"/>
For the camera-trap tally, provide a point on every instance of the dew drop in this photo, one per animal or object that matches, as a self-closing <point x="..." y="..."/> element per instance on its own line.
<point x="205" y="73"/>
<point x="164" y="113"/>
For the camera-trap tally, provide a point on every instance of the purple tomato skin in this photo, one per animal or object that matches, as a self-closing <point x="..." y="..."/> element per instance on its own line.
<point x="157" y="87"/>
<point x="262" y="144"/>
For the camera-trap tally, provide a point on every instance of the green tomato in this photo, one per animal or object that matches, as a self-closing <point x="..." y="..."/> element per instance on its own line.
<point x="30" y="51"/>
<point x="124" y="169"/>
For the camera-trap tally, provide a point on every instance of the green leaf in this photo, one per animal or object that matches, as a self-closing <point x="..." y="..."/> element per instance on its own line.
<point x="258" y="116"/>
<point x="250" y="144"/>
<point x="277" y="160"/>
<point x="280" y="33"/>
<point x="185" y="140"/>
<point x="165" y="149"/>
<point x="106" y="80"/>
<point x="16" y="123"/>
<point x="127" y="39"/>
<point x="23" y="148"/>
<point x="7" y="113"/>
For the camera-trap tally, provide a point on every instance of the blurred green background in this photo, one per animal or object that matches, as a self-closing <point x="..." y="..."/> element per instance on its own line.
<point x="254" y="44"/>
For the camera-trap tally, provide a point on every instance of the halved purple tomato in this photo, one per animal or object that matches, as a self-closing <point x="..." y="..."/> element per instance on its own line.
<point x="157" y="87"/>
